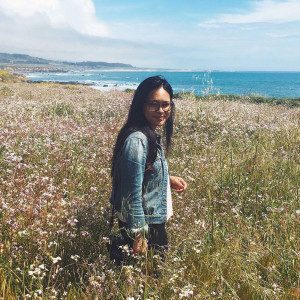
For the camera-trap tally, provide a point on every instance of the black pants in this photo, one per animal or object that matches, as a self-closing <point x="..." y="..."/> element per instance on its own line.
<point x="157" y="237"/>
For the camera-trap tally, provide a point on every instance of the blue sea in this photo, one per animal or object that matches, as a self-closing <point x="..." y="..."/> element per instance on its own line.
<point x="270" y="84"/>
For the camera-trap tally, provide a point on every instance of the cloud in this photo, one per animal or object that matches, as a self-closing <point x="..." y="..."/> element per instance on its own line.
<point x="209" y="24"/>
<point x="79" y="15"/>
<point x="62" y="30"/>
<point x="266" y="11"/>
<point x="66" y="44"/>
<point x="283" y="35"/>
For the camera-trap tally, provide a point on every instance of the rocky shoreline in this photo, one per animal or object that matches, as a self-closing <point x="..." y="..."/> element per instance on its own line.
<point x="60" y="82"/>
<point x="31" y="69"/>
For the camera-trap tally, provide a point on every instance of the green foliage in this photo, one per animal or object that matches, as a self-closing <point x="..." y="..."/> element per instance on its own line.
<point x="131" y="91"/>
<point x="59" y="109"/>
<point x="8" y="77"/>
<point x="6" y="92"/>
<point x="289" y="102"/>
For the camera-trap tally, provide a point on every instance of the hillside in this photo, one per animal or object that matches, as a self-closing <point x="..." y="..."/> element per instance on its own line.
<point x="23" y="62"/>
<point x="20" y="59"/>
<point x="8" y="77"/>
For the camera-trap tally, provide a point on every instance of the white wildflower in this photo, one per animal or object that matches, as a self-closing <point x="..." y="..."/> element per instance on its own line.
<point x="75" y="257"/>
<point x="186" y="292"/>
<point x="55" y="259"/>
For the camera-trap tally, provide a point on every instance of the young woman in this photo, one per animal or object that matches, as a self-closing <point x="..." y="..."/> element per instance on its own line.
<point x="141" y="183"/>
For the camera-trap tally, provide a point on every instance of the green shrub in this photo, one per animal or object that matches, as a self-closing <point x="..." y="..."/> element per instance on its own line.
<point x="289" y="102"/>
<point x="6" y="92"/>
<point x="59" y="109"/>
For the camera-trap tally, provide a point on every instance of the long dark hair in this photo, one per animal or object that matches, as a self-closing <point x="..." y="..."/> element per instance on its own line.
<point x="136" y="120"/>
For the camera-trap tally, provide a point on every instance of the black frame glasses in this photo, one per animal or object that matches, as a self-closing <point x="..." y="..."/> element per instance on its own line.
<point x="155" y="106"/>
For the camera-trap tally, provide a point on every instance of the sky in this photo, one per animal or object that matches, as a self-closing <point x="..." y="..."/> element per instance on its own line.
<point x="227" y="35"/>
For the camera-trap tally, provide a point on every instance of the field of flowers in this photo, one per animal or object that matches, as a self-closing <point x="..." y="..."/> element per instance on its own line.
<point x="234" y="233"/>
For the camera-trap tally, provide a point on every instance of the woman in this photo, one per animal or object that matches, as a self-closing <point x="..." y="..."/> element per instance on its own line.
<point x="141" y="182"/>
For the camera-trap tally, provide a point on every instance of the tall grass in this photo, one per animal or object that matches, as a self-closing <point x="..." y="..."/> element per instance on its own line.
<point x="234" y="231"/>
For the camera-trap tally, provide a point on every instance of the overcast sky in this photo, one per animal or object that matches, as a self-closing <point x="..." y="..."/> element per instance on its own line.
<point x="192" y="34"/>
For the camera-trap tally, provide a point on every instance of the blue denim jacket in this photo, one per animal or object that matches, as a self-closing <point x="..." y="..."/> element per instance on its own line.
<point x="140" y="192"/>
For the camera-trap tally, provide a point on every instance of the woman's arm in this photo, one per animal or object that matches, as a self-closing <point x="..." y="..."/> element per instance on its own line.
<point x="178" y="184"/>
<point x="131" y="174"/>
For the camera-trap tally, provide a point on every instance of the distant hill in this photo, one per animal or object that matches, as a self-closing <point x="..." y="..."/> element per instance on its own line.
<point x="99" y="64"/>
<point x="22" y="59"/>
<point x="19" y="62"/>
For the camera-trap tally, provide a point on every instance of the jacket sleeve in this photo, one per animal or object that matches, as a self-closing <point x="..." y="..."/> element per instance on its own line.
<point x="132" y="170"/>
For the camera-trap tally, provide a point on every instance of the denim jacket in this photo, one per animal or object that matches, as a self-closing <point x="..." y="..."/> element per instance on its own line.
<point x="139" y="191"/>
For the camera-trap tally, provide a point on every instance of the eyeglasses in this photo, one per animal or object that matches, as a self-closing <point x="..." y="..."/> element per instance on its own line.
<point x="155" y="106"/>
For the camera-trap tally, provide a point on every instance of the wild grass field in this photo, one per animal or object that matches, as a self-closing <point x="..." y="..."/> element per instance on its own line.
<point x="234" y="233"/>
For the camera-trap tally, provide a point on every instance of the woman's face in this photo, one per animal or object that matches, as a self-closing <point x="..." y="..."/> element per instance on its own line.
<point x="157" y="108"/>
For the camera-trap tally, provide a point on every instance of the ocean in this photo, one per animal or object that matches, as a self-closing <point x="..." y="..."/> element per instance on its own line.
<point x="269" y="84"/>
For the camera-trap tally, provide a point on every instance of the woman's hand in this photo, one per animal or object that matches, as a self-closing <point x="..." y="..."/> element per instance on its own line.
<point x="139" y="245"/>
<point x="178" y="184"/>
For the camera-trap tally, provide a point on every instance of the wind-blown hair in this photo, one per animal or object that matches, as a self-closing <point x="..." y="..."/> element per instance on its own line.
<point x="136" y="120"/>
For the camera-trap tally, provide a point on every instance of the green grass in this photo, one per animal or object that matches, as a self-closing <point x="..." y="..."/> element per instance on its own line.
<point x="252" y="98"/>
<point x="234" y="233"/>
<point x="5" y="92"/>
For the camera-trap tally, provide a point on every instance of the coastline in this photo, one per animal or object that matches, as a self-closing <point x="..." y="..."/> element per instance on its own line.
<point x="103" y="82"/>
<point x="278" y="85"/>
<point x="252" y="98"/>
